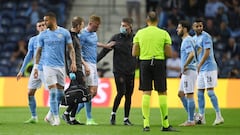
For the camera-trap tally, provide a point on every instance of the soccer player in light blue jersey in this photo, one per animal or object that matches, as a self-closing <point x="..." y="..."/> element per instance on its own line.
<point x="33" y="84"/>
<point x="89" y="42"/>
<point x="207" y="72"/>
<point x="188" y="72"/>
<point x="51" y="45"/>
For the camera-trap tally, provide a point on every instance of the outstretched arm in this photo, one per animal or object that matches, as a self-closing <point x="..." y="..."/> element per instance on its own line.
<point x="108" y="45"/>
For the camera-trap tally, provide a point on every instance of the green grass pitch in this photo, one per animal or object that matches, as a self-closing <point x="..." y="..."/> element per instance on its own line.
<point x="12" y="118"/>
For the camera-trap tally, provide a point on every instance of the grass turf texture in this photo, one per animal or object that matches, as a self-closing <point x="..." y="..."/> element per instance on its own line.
<point x="11" y="123"/>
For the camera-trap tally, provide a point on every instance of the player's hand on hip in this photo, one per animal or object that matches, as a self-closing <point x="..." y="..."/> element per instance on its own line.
<point x="35" y="73"/>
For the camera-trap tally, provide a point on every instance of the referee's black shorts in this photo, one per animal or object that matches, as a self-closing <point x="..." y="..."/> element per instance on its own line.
<point x="150" y="74"/>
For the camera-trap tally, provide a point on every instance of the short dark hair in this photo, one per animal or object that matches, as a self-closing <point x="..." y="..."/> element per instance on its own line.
<point x="40" y="20"/>
<point x="185" y="24"/>
<point x="198" y="20"/>
<point x="76" y="21"/>
<point x="128" y="20"/>
<point x="50" y="14"/>
<point x="152" y="16"/>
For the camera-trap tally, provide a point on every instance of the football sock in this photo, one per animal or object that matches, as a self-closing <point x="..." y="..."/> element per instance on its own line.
<point x="191" y="108"/>
<point x="184" y="102"/>
<point x="80" y="107"/>
<point x="164" y="110"/>
<point x="53" y="101"/>
<point x="60" y="95"/>
<point x="88" y="109"/>
<point x="113" y="113"/>
<point x="32" y="105"/>
<point x="125" y="118"/>
<point x="214" y="100"/>
<point x="146" y="110"/>
<point x="201" y="102"/>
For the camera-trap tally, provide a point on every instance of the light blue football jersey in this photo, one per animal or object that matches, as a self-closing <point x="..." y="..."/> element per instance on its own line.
<point x="205" y="41"/>
<point x="53" y="45"/>
<point x="187" y="46"/>
<point x="89" y="40"/>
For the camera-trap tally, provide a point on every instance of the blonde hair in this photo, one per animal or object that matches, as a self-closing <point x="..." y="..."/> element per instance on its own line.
<point x="94" y="18"/>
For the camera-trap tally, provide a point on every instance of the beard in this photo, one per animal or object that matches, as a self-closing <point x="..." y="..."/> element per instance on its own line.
<point x="180" y="34"/>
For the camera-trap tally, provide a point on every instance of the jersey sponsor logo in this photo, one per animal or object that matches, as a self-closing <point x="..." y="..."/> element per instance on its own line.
<point x="207" y="42"/>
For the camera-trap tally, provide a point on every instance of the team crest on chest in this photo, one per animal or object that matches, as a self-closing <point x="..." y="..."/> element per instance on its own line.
<point x="59" y="35"/>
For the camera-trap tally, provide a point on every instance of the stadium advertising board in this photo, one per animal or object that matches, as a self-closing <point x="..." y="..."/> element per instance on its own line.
<point x="13" y="93"/>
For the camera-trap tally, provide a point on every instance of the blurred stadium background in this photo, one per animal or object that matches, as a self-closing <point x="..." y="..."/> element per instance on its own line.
<point x="18" y="18"/>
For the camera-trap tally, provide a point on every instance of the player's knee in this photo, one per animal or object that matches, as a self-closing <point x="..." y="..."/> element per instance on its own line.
<point x="211" y="93"/>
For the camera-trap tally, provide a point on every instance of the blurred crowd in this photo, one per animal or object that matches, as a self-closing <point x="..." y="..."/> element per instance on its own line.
<point x="222" y="21"/>
<point x="17" y="24"/>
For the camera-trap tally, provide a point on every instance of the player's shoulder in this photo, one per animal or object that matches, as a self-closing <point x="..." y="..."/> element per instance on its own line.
<point x="43" y="32"/>
<point x="84" y="33"/>
<point x="206" y="35"/>
<point x="32" y="38"/>
<point x="63" y="29"/>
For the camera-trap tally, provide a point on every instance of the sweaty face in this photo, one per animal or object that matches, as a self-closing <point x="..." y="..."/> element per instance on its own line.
<point x="198" y="27"/>
<point x="180" y="30"/>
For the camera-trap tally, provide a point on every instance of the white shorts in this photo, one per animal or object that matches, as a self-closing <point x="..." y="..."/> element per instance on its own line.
<point x="92" y="79"/>
<point x="54" y="75"/>
<point x="188" y="81"/>
<point x="207" y="79"/>
<point x="35" y="83"/>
